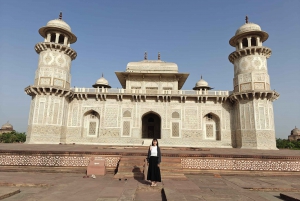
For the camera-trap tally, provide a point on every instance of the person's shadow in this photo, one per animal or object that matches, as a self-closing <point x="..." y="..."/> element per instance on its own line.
<point x="140" y="175"/>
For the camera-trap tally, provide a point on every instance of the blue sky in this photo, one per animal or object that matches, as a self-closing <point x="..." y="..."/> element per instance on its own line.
<point x="193" y="34"/>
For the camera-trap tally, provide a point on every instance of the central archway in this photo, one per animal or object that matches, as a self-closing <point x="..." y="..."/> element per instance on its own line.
<point x="151" y="125"/>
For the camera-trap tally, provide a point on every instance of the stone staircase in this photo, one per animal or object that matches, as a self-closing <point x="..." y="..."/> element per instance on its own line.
<point x="130" y="167"/>
<point x="135" y="167"/>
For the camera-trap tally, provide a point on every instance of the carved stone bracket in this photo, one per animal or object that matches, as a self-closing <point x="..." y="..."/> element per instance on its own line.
<point x="56" y="91"/>
<point x="250" y="51"/>
<point x="252" y="94"/>
<point x="59" y="47"/>
<point x="139" y="97"/>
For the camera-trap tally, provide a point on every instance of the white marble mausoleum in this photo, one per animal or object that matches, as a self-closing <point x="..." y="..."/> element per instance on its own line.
<point x="150" y="103"/>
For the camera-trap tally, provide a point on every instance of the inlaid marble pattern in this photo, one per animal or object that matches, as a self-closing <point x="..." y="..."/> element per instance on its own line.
<point x="241" y="164"/>
<point x="53" y="160"/>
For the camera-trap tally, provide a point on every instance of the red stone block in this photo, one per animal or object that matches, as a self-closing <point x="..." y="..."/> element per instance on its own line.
<point x="96" y="166"/>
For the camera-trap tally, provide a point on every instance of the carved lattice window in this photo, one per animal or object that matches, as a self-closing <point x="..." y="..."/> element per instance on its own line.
<point x="209" y="131"/>
<point x="92" y="128"/>
<point x="126" y="128"/>
<point x="175" y="115"/>
<point x="127" y="114"/>
<point x="175" y="129"/>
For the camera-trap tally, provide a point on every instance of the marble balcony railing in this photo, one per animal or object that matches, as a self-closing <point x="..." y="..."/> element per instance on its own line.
<point x="149" y="91"/>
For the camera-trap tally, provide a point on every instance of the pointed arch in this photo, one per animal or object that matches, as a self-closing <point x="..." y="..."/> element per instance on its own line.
<point x="211" y="126"/>
<point x="91" y="124"/>
<point x="151" y="125"/>
<point x="127" y="113"/>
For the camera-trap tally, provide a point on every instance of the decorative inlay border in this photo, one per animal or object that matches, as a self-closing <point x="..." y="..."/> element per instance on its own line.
<point x="144" y="153"/>
<point x="236" y="164"/>
<point x="53" y="160"/>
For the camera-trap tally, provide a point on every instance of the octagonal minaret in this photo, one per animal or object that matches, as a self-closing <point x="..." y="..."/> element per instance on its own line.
<point x="51" y="89"/>
<point x="252" y="93"/>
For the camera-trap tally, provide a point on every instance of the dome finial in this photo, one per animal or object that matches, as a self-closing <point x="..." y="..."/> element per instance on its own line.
<point x="246" y="19"/>
<point x="158" y="55"/>
<point x="145" y="56"/>
<point x="102" y="74"/>
<point x="201" y="76"/>
<point x="60" y="15"/>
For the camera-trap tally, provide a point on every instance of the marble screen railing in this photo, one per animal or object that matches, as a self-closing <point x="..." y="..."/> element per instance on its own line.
<point x="150" y="91"/>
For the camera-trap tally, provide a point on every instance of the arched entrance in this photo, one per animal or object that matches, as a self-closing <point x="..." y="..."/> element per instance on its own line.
<point x="151" y="126"/>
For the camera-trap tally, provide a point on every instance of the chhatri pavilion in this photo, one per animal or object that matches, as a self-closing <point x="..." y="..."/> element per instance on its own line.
<point x="151" y="102"/>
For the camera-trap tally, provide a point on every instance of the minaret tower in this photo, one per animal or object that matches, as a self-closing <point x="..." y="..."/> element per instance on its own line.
<point x="252" y="95"/>
<point x="51" y="90"/>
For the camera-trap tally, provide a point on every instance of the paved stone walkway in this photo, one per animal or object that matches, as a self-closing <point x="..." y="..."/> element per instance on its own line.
<point x="67" y="187"/>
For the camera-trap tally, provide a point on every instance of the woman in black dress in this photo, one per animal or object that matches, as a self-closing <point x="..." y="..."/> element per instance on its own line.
<point x="154" y="159"/>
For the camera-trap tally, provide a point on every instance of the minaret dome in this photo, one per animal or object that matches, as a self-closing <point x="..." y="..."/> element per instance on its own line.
<point x="248" y="35"/>
<point x="58" y="31"/>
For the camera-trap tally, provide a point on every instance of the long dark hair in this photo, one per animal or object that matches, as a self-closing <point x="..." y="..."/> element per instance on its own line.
<point x="156" y="141"/>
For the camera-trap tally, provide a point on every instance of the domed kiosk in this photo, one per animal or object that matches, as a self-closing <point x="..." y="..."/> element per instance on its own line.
<point x="58" y="31"/>
<point x="249" y="34"/>
<point x="6" y="128"/>
<point x="202" y="84"/>
<point x="101" y="82"/>
<point x="295" y="134"/>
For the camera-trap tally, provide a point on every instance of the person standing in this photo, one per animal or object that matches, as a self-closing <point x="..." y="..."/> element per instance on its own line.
<point x="154" y="159"/>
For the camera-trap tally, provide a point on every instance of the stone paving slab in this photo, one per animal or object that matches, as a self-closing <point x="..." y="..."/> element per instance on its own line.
<point x="290" y="196"/>
<point x="72" y="187"/>
<point x="6" y="192"/>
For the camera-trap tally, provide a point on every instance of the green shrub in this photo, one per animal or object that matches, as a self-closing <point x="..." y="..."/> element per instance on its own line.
<point x="12" y="137"/>
<point x="286" y="144"/>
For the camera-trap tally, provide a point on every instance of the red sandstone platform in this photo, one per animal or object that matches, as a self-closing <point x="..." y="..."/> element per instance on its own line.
<point x="128" y="160"/>
<point x="140" y="151"/>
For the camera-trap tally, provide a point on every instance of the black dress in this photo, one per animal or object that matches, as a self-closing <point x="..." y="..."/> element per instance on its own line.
<point x="153" y="169"/>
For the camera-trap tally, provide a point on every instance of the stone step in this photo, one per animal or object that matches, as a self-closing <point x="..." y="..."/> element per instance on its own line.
<point x="171" y="159"/>
<point x="133" y="158"/>
<point x="129" y="175"/>
<point x="130" y="170"/>
<point x="142" y="163"/>
<point x="162" y="167"/>
<point x="131" y="164"/>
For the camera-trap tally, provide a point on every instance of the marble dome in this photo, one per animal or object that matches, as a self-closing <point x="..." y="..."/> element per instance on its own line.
<point x="295" y="131"/>
<point x="102" y="81"/>
<point x="7" y="126"/>
<point x="201" y="83"/>
<point x="247" y="27"/>
<point x="59" y="24"/>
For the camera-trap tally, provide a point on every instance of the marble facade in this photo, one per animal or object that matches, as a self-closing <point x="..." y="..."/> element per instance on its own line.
<point x="151" y="103"/>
